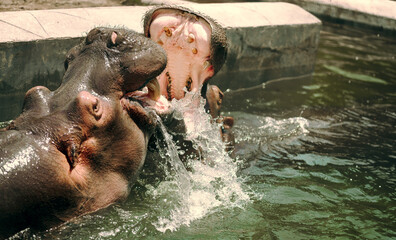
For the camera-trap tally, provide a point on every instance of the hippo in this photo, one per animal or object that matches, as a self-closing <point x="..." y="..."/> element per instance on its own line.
<point x="79" y="148"/>
<point x="196" y="47"/>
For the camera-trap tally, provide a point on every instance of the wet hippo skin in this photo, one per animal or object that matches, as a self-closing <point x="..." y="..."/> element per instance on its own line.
<point x="79" y="148"/>
<point x="196" y="47"/>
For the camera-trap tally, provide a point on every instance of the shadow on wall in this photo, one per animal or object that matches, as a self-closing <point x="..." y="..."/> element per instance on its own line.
<point x="35" y="66"/>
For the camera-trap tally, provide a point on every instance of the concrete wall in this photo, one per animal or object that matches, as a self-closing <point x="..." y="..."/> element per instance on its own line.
<point x="267" y="41"/>
<point x="378" y="14"/>
<point x="33" y="45"/>
<point x="27" y="64"/>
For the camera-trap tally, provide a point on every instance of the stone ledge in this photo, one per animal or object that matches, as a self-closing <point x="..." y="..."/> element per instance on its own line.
<point x="272" y="41"/>
<point x="267" y="41"/>
<point x="375" y="13"/>
<point x="23" y="26"/>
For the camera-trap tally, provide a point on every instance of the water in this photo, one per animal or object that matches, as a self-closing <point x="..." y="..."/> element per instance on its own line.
<point x="333" y="175"/>
<point x="314" y="159"/>
<point x="168" y="197"/>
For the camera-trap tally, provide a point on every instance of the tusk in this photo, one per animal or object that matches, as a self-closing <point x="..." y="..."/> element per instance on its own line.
<point x="154" y="89"/>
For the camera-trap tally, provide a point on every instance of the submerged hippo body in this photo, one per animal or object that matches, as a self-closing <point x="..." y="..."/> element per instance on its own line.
<point x="79" y="148"/>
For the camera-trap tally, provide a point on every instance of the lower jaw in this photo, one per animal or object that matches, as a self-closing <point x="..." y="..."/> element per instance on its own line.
<point x="143" y="110"/>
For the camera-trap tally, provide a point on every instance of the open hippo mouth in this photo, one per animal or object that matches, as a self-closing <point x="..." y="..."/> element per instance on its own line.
<point x="195" y="47"/>
<point x="126" y="71"/>
<point x="141" y="104"/>
<point x="148" y="96"/>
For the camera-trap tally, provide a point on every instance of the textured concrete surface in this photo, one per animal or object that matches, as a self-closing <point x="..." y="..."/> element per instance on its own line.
<point x="267" y="41"/>
<point x="376" y="13"/>
<point x="65" y="23"/>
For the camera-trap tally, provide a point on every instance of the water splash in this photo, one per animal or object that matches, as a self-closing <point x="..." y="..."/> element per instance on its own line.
<point x="259" y="129"/>
<point x="206" y="188"/>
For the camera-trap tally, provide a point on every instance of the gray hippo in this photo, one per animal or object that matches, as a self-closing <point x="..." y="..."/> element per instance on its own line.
<point x="79" y="148"/>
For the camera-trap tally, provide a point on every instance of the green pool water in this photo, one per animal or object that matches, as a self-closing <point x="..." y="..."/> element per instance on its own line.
<point x="315" y="158"/>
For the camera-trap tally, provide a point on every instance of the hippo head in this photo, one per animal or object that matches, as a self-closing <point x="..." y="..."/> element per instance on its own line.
<point x="99" y="103"/>
<point x="195" y="44"/>
<point x="78" y="148"/>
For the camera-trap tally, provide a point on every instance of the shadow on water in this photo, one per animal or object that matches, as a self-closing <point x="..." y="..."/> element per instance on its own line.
<point x="315" y="159"/>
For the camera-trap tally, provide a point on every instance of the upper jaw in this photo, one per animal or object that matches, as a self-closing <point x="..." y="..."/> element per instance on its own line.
<point x="186" y="38"/>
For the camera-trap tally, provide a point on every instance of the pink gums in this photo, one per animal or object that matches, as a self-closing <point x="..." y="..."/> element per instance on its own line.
<point x="186" y="40"/>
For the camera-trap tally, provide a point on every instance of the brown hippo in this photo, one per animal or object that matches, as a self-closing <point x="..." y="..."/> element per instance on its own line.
<point x="196" y="47"/>
<point x="79" y="148"/>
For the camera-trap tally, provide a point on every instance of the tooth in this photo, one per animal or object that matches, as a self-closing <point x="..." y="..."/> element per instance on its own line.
<point x="188" y="84"/>
<point x="169" y="86"/>
<point x="168" y="32"/>
<point x="194" y="50"/>
<point x="160" y="42"/>
<point x="195" y="17"/>
<point x="190" y="38"/>
<point x="206" y="65"/>
<point x="154" y="89"/>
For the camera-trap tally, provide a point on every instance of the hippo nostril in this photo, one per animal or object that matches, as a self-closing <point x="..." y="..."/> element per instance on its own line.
<point x="95" y="106"/>
<point x="96" y="109"/>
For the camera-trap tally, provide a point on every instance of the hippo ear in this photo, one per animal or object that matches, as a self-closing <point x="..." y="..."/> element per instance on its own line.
<point x="72" y="54"/>
<point x="93" y="35"/>
<point x="115" y="39"/>
<point x="214" y="99"/>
